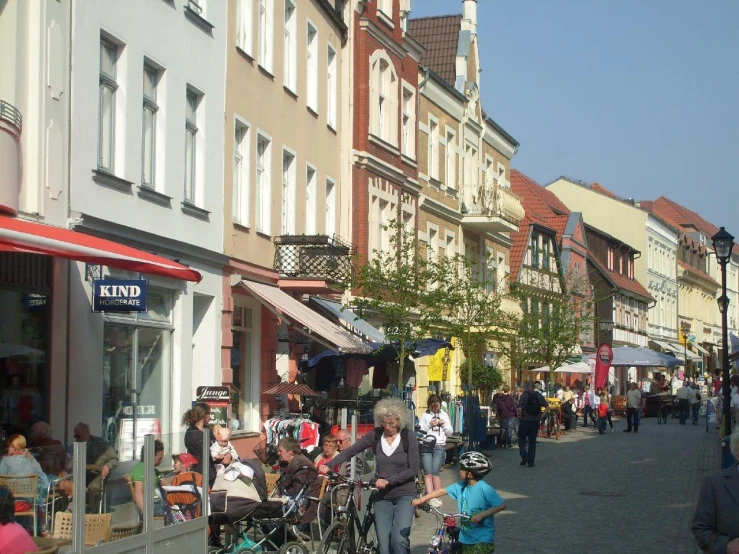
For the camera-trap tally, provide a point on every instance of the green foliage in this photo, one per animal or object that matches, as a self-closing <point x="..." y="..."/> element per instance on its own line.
<point x="486" y="378"/>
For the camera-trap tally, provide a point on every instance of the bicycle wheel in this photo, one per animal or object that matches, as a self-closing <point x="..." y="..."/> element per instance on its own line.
<point x="334" y="540"/>
<point x="293" y="548"/>
<point x="367" y="542"/>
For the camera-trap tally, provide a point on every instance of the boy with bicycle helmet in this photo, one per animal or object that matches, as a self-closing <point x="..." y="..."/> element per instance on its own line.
<point x="475" y="498"/>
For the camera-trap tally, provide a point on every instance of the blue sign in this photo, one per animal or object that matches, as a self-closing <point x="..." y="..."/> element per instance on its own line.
<point x="35" y="302"/>
<point x="119" y="295"/>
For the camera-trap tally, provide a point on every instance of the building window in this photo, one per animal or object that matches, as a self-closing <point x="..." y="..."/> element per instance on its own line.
<point x="433" y="245"/>
<point x="266" y="33"/>
<point x="610" y="258"/>
<point x="149" y="127"/>
<point x="240" y="208"/>
<point x="450" y="249"/>
<point x="191" y="145"/>
<point x="534" y="250"/>
<point x="287" y="226"/>
<point x="451" y="161"/>
<point x="330" y="207"/>
<point x="409" y="123"/>
<point x="310" y="201"/>
<point x="386" y="7"/>
<point x="383" y="103"/>
<point x="545" y="254"/>
<point x="311" y="69"/>
<point x="290" y="47"/>
<point x="106" y="108"/>
<point x="245" y="379"/>
<point x="244" y="25"/>
<point x="331" y="87"/>
<point x="263" y="186"/>
<point x="198" y="6"/>
<point x="433" y="149"/>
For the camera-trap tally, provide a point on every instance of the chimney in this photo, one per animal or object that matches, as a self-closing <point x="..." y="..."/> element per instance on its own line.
<point x="469" y="16"/>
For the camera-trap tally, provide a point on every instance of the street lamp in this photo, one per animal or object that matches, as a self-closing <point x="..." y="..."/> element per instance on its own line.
<point x="685" y="333"/>
<point x="723" y="242"/>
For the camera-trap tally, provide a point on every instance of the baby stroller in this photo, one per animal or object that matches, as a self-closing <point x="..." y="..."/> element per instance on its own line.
<point x="256" y="525"/>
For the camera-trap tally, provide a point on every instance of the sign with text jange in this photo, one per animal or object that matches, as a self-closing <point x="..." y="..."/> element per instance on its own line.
<point x="119" y="295"/>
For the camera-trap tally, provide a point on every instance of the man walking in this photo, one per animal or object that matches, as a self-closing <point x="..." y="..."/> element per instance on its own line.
<point x="684" y="395"/>
<point x="505" y="407"/>
<point x="633" y="404"/>
<point x="529" y="416"/>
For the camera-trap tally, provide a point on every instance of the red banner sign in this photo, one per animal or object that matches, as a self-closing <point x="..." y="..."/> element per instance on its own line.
<point x="603" y="359"/>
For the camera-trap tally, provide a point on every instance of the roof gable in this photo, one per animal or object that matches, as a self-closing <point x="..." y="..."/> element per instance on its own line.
<point x="440" y="36"/>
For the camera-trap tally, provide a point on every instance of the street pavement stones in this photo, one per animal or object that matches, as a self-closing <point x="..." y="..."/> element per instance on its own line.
<point x="612" y="493"/>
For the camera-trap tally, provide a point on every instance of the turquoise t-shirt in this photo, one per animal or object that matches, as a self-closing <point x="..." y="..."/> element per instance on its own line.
<point x="471" y="500"/>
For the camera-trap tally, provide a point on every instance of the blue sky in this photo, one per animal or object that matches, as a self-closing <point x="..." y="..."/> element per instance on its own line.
<point x="641" y="96"/>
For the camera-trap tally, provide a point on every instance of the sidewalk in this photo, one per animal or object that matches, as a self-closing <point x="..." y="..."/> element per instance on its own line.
<point x="620" y="492"/>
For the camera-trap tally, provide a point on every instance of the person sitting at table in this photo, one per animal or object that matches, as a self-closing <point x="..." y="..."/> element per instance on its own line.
<point x="137" y="478"/>
<point x="19" y="461"/>
<point x="569" y="415"/>
<point x="101" y="459"/>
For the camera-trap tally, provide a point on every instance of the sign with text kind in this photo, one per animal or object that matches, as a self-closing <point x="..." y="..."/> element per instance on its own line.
<point x="119" y="295"/>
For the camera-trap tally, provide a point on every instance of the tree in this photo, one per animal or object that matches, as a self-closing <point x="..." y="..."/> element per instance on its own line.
<point x="487" y="377"/>
<point x="472" y="307"/>
<point x="550" y="327"/>
<point x="399" y="286"/>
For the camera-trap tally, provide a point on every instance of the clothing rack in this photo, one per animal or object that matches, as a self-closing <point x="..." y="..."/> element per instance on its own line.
<point x="292" y="425"/>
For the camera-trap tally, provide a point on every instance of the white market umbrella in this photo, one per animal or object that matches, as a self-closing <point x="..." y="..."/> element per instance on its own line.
<point x="543" y="369"/>
<point x="579" y="367"/>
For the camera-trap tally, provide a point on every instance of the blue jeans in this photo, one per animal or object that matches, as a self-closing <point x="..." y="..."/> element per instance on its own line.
<point x="684" y="410"/>
<point x="393" y="519"/>
<point x="527" y="431"/>
<point x="602" y="422"/>
<point x="696" y="410"/>
<point x="588" y="411"/>
<point x="507" y="424"/>
<point x="431" y="462"/>
<point x="632" y="419"/>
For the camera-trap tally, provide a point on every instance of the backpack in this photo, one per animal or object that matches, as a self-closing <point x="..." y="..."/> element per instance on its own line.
<point x="532" y="404"/>
<point x="404" y="440"/>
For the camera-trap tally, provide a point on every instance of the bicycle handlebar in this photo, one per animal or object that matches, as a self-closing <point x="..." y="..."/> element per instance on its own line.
<point x="366" y="485"/>
<point x="426" y="507"/>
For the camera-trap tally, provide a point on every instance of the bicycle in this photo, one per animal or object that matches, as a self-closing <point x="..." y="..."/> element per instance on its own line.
<point x="349" y="534"/>
<point x="550" y="424"/>
<point x="446" y="537"/>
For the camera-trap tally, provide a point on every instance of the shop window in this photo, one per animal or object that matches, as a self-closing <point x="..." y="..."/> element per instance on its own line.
<point x="245" y="381"/>
<point x="137" y="375"/>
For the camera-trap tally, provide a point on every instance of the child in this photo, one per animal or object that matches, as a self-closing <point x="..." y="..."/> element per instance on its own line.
<point x="222" y="447"/>
<point x="603" y="410"/>
<point x="476" y="499"/>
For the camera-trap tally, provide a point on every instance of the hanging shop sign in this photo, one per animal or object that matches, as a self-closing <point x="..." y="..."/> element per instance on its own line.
<point x="218" y="398"/>
<point x="119" y="295"/>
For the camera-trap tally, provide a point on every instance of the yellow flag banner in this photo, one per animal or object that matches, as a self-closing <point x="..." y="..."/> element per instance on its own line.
<point x="436" y="365"/>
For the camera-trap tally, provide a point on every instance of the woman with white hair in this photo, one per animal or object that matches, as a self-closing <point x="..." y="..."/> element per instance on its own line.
<point x="397" y="460"/>
<point x="716" y="520"/>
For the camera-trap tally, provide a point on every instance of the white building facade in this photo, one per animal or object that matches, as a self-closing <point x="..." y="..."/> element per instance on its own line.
<point x="662" y="240"/>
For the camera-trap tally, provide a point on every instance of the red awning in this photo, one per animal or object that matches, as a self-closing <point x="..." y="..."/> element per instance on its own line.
<point x="17" y="235"/>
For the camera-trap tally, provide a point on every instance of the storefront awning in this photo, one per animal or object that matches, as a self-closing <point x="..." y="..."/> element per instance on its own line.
<point x="336" y="309"/>
<point x="17" y="235"/>
<point x="305" y="320"/>
<point x="701" y="350"/>
<point x="665" y="346"/>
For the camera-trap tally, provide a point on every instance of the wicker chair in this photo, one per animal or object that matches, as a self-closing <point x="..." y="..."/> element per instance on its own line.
<point x="96" y="528"/>
<point x="24" y="488"/>
<point x="118" y="532"/>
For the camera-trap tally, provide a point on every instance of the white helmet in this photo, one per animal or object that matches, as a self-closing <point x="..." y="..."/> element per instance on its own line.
<point x="475" y="462"/>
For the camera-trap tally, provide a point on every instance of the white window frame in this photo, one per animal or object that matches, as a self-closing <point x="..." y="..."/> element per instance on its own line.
<point x="330" y="206"/>
<point x="241" y="189"/>
<point x="263" y="184"/>
<point x="450" y="178"/>
<point x="107" y="85"/>
<point x="193" y="100"/>
<point x="384" y="90"/>
<point x="432" y="242"/>
<point x="266" y="35"/>
<point x="311" y="67"/>
<point x="433" y="147"/>
<point x="290" y="47"/>
<point x="245" y="26"/>
<point x="408" y="134"/>
<point x="150" y="109"/>
<point x="331" y="86"/>
<point x="386" y="7"/>
<point x="450" y="245"/>
<point x="287" y="194"/>
<point x="311" y="204"/>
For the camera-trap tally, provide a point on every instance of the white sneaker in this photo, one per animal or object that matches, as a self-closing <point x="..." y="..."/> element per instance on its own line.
<point x="435" y="503"/>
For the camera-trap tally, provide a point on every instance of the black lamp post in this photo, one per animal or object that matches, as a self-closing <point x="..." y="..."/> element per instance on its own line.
<point x="685" y="333"/>
<point x="722" y="245"/>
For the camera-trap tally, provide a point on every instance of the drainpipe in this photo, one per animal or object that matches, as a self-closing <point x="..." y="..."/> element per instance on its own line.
<point x="68" y="342"/>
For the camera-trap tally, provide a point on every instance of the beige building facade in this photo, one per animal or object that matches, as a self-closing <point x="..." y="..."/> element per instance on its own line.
<point x="282" y="185"/>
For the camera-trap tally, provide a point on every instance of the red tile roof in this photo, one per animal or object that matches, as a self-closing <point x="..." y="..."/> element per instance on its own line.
<point x="600" y="188"/>
<point x="440" y="36"/>
<point x="518" y="248"/>
<point x="537" y="198"/>
<point x="699" y="273"/>
<point x="620" y="281"/>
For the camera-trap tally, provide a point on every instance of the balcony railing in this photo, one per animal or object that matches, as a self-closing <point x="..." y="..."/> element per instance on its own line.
<point x="313" y="257"/>
<point x="494" y="208"/>
<point x="11" y="114"/>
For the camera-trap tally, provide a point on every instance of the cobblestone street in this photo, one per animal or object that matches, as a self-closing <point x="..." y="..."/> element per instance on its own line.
<point x="614" y="493"/>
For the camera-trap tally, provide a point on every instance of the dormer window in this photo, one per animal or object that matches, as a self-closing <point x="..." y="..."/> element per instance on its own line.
<point x="610" y="258"/>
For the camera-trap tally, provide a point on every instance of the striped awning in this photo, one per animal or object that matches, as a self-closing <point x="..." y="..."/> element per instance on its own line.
<point x="701" y="350"/>
<point x="305" y="320"/>
<point x="664" y="345"/>
<point x="291" y="388"/>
